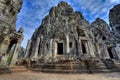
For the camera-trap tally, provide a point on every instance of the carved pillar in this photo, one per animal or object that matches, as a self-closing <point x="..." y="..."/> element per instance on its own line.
<point x="67" y="44"/>
<point x="107" y="55"/>
<point x="117" y="50"/>
<point x="41" y="54"/>
<point x="91" y="49"/>
<point x="37" y="48"/>
<point x="53" y="48"/>
<point x="27" y="49"/>
<point x="98" y="50"/>
<point x="51" y="45"/>
<point x="79" y="47"/>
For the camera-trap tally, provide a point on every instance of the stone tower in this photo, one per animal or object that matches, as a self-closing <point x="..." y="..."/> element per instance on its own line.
<point x="66" y="42"/>
<point x="10" y="39"/>
<point x="114" y="18"/>
<point x="62" y="34"/>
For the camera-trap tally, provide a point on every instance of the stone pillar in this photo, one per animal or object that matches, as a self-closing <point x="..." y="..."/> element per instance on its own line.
<point x="37" y="48"/>
<point x="27" y="49"/>
<point x="51" y="45"/>
<point x="97" y="50"/>
<point x="114" y="53"/>
<point x="90" y="49"/>
<point x="117" y="49"/>
<point x="54" y="49"/>
<point x="15" y="54"/>
<point x="106" y="54"/>
<point x="67" y="44"/>
<point x="79" y="47"/>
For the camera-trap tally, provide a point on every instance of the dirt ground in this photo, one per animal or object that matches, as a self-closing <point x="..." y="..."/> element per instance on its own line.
<point x="55" y="76"/>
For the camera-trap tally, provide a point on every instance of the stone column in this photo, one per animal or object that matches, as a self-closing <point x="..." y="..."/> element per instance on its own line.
<point x="117" y="50"/>
<point x="106" y="54"/>
<point x="51" y="45"/>
<point x="27" y="49"/>
<point x="67" y="44"/>
<point x="37" y="48"/>
<point x="79" y="47"/>
<point x="98" y="50"/>
<point x="55" y="49"/>
<point x="90" y="49"/>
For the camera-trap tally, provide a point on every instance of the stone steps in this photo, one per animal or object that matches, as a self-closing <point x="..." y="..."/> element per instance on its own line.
<point x="74" y="68"/>
<point x="4" y="69"/>
<point x="60" y="70"/>
<point x="18" y="69"/>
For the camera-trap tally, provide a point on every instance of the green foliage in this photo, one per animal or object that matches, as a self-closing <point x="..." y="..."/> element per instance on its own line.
<point x="9" y="59"/>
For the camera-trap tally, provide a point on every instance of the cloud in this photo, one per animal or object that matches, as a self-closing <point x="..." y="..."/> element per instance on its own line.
<point x="33" y="11"/>
<point x="115" y="1"/>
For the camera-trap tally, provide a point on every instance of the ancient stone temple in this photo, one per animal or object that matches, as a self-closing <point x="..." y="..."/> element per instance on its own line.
<point x="114" y="19"/>
<point x="63" y="33"/>
<point x="66" y="37"/>
<point x="105" y="41"/>
<point x="10" y="39"/>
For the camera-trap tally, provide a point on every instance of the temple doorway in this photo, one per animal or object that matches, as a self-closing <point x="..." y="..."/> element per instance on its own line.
<point x="110" y="53"/>
<point x="12" y="42"/>
<point x="84" y="46"/>
<point x="60" y="48"/>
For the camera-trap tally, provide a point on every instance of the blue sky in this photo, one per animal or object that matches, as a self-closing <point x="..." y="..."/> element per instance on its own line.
<point x="33" y="11"/>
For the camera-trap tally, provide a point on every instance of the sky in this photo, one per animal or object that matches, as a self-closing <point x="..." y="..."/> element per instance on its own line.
<point x="33" y="11"/>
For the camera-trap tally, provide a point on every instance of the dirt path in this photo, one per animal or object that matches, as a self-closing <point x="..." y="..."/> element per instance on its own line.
<point x="52" y="76"/>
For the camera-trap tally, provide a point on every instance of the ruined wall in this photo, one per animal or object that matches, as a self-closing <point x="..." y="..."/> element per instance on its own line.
<point x="10" y="39"/>
<point x="102" y="36"/>
<point x="114" y="18"/>
<point x="8" y="13"/>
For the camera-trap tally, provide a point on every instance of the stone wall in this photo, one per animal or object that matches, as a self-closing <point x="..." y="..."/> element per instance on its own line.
<point x="114" y="18"/>
<point x="10" y="39"/>
<point x="8" y="13"/>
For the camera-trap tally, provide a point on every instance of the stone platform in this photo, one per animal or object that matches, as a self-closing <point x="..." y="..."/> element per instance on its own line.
<point x="18" y="69"/>
<point x="101" y="66"/>
<point x="4" y="69"/>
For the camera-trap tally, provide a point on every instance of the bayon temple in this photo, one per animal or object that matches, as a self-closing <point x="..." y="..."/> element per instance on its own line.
<point x="64" y="42"/>
<point x="67" y="34"/>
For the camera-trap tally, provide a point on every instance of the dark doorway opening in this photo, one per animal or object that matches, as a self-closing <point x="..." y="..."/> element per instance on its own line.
<point x="70" y="44"/>
<point x="12" y="42"/>
<point x="59" y="48"/>
<point x="110" y="53"/>
<point x="83" y="44"/>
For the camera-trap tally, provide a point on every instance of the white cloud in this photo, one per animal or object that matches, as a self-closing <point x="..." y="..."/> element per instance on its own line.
<point x="115" y="1"/>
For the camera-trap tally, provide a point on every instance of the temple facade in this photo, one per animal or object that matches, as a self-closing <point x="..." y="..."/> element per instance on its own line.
<point x="66" y="34"/>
